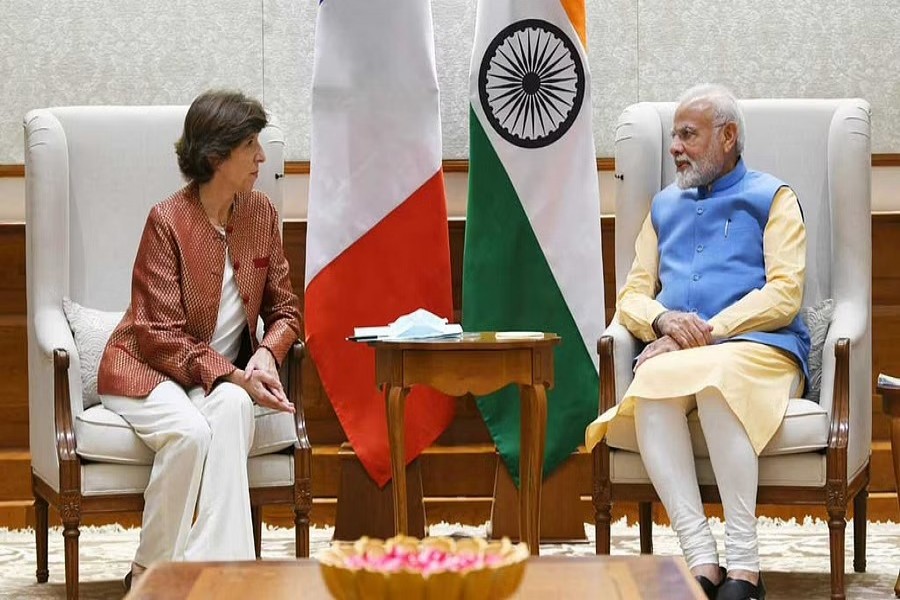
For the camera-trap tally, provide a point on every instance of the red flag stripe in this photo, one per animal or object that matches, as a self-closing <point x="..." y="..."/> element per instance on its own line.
<point x="401" y="264"/>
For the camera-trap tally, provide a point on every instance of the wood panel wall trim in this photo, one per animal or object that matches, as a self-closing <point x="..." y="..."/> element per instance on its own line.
<point x="460" y="165"/>
<point x="604" y="164"/>
<point x="886" y="160"/>
<point x="296" y="167"/>
<point x="12" y="170"/>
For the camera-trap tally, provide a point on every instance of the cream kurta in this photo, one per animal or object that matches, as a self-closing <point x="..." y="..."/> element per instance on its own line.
<point x="756" y="380"/>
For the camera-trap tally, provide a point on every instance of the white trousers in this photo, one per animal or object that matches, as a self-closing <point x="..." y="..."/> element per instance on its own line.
<point x="665" y="445"/>
<point x="201" y="445"/>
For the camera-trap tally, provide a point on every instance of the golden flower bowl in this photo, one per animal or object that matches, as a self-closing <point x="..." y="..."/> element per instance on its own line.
<point x="437" y="568"/>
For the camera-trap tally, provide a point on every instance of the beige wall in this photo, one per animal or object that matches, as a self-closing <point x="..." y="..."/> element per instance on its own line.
<point x="166" y="51"/>
<point x="885" y="194"/>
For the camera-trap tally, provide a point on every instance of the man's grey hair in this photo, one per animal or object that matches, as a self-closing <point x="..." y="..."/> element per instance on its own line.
<point x="724" y="103"/>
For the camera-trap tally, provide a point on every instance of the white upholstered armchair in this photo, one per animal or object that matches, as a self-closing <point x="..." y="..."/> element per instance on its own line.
<point x="92" y="174"/>
<point x="820" y="455"/>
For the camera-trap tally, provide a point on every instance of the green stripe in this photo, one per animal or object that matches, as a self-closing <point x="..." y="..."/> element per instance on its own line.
<point x="508" y="285"/>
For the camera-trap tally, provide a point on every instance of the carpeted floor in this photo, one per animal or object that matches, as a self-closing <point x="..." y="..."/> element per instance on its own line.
<point x="794" y="557"/>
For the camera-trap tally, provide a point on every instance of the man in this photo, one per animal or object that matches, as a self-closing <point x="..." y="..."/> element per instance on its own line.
<point x="715" y="289"/>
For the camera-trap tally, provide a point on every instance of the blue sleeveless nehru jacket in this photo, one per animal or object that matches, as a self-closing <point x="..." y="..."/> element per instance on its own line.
<point x="710" y="243"/>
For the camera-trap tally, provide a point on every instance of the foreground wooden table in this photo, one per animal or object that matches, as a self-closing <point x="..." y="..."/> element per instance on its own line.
<point x="609" y="577"/>
<point x="475" y="364"/>
<point x="891" y="405"/>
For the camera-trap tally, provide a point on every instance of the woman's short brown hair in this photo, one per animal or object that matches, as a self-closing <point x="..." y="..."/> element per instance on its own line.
<point x="216" y="122"/>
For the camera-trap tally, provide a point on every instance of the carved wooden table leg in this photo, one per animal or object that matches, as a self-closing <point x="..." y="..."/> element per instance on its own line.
<point x="531" y="463"/>
<point x="396" y="406"/>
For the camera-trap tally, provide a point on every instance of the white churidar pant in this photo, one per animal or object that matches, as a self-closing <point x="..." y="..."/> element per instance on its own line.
<point x="201" y="445"/>
<point x="665" y="445"/>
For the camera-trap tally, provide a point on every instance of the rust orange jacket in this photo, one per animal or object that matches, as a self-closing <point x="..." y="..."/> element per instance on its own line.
<point x="176" y="288"/>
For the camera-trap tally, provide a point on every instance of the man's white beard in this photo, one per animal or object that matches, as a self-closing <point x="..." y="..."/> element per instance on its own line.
<point x="699" y="172"/>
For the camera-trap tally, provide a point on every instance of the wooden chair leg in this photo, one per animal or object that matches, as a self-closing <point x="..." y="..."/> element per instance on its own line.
<point x="860" y="509"/>
<point x="301" y="532"/>
<point x="602" y="499"/>
<point x="302" y="506"/>
<point x="837" y="525"/>
<point x="40" y="538"/>
<point x="70" y="545"/>
<point x="256" y="518"/>
<point x="645" y="520"/>
<point x="602" y="520"/>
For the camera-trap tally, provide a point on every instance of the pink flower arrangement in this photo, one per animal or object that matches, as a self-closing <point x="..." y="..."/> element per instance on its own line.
<point x="424" y="560"/>
<point x="437" y="568"/>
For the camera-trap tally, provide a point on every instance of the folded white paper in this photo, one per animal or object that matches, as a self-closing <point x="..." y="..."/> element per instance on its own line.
<point x="417" y="325"/>
<point x="519" y="335"/>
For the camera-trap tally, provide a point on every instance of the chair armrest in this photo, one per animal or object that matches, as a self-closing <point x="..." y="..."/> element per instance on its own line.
<point x="847" y="390"/>
<point x="294" y="365"/>
<point x="52" y="332"/>
<point x="56" y="344"/>
<point x="851" y="323"/>
<point x="63" y="419"/>
<point x="838" y="434"/>
<point x="617" y="349"/>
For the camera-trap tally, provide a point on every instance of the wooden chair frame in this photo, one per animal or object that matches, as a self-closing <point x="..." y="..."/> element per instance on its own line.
<point x="72" y="504"/>
<point x="836" y="494"/>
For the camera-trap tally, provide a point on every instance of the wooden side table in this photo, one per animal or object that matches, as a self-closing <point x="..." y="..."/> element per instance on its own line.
<point x="475" y="364"/>
<point x="890" y="398"/>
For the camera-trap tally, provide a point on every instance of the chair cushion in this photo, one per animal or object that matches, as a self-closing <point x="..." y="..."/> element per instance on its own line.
<point x="274" y="431"/>
<point x="91" y="329"/>
<point x="270" y="470"/>
<point x="817" y="319"/>
<point x="101" y="479"/>
<point x="807" y="469"/>
<point x="104" y="436"/>
<point x="804" y="429"/>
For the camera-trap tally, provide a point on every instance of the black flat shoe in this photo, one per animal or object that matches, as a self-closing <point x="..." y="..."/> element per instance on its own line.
<point x="738" y="589"/>
<point x="127" y="581"/>
<point x="709" y="588"/>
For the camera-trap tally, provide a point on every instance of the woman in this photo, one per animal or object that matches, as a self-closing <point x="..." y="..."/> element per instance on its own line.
<point x="183" y="367"/>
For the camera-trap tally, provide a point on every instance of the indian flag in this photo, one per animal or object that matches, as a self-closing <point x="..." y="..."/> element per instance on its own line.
<point x="532" y="254"/>
<point x="377" y="243"/>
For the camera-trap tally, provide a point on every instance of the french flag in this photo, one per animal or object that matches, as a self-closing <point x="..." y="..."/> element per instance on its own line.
<point x="377" y="244"/>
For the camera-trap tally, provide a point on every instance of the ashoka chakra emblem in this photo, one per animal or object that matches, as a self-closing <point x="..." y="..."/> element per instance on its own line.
<point x="531" y="83"/>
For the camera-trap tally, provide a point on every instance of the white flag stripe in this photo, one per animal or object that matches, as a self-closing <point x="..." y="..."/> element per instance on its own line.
<point x="390" y="142"/>
<point x="566" y="230"/>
